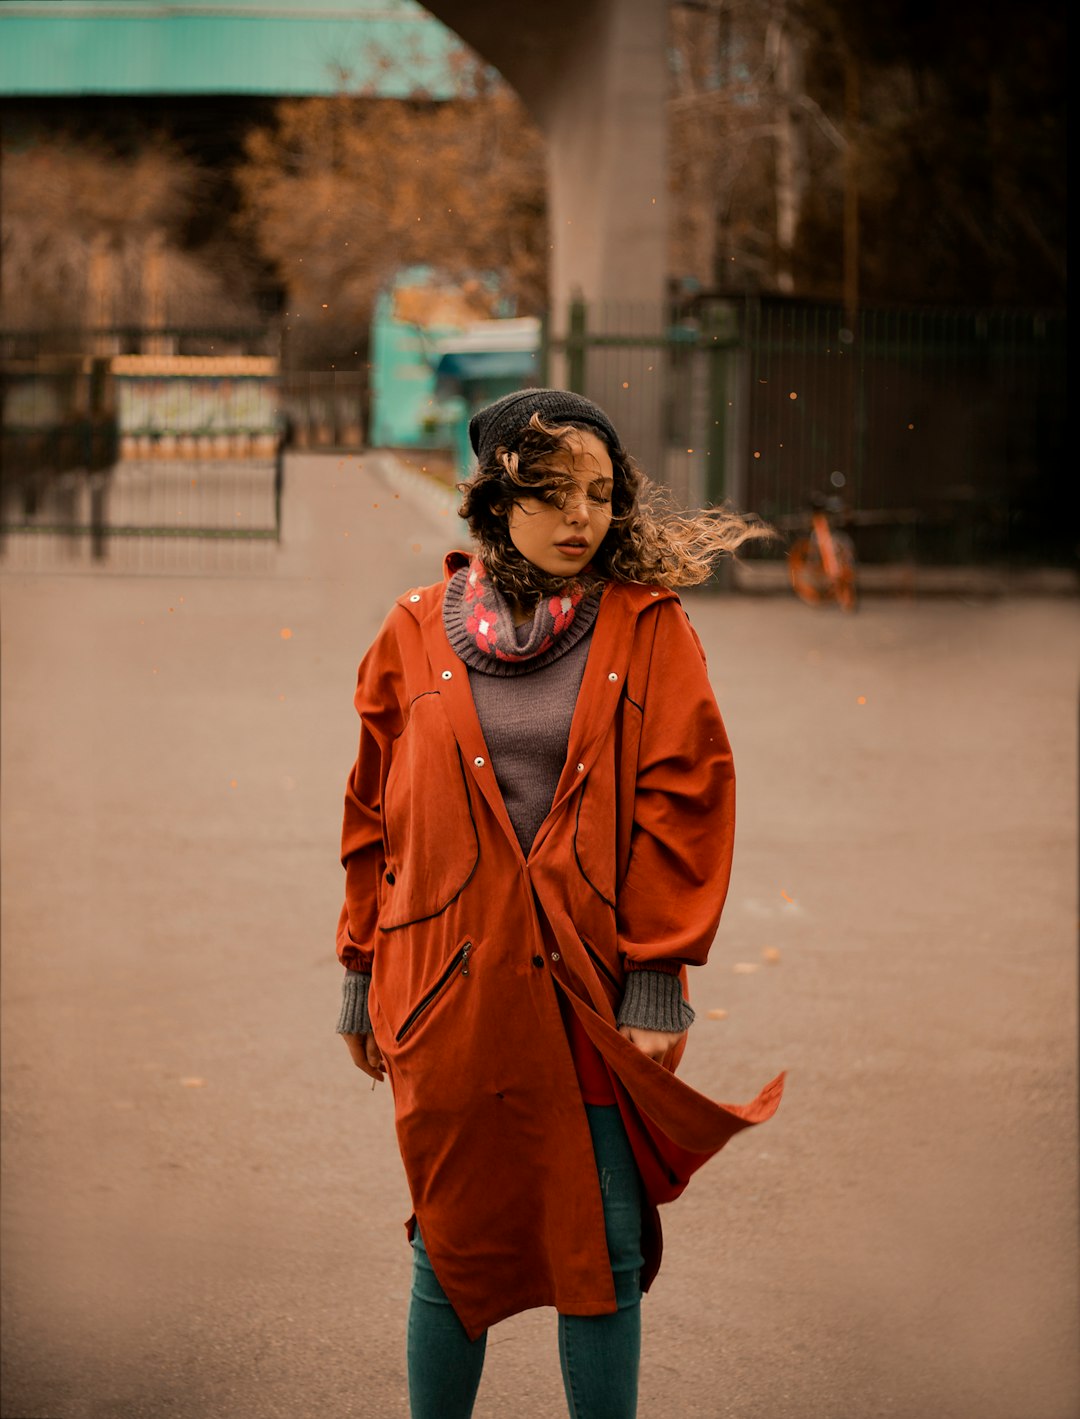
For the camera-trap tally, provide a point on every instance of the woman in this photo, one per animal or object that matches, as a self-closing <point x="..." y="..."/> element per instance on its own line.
<point x="537" y="843"/>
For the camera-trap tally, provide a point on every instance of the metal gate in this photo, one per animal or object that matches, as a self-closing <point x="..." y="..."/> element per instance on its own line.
<point x="105" y="454"/>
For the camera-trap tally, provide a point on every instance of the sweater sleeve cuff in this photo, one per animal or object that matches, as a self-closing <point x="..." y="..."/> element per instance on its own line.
<point x="654" y="1001"/>
<point x="354" y="1018"/>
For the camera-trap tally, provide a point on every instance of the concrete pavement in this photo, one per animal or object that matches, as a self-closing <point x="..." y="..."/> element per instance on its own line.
<point x="202" y="1200"/>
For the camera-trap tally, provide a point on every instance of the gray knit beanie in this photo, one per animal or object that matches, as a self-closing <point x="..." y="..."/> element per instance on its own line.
<point x="500" y="422"/>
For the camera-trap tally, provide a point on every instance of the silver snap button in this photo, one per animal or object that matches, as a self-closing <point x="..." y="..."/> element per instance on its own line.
<point x="581" y="768"/>
<point x="478" y="762"/>
<point x="448" y="674"/>
<point x="414" y="597"/>
<point x="554" y="955"/>
<point x="613" y="676"/>
<point x="654" y="593"/>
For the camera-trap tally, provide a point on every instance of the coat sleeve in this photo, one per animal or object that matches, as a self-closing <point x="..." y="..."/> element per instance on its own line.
<point x="379" y="702"/>
<point x="683" y="833"/>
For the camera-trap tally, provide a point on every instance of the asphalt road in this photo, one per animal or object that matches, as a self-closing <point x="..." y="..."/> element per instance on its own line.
<point x="202" y="1199"/>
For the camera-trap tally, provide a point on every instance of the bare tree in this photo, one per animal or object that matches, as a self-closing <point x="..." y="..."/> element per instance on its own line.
<point x="341" y="192"/>
<point x="823" y="145"/>
<point x="93" y="238"/>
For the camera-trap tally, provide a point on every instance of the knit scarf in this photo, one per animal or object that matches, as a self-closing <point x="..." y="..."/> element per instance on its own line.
<point x="481" y="626"/>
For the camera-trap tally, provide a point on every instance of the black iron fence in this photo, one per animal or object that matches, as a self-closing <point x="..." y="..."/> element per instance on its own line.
<point x="942" y="431"/>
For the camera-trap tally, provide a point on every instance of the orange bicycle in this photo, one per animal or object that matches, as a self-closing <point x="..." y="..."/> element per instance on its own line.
<point x="822" y="565"/>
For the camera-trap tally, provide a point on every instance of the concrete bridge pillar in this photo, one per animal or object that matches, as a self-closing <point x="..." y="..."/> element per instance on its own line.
<point x="593" y="73"/>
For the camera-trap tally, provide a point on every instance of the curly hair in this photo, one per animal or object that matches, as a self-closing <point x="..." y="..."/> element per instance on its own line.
<point x="650" y="540"/>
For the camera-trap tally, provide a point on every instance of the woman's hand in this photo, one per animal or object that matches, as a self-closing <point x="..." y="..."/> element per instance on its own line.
<point x="654" y="1043"/>
<point x="366" y="1055"/>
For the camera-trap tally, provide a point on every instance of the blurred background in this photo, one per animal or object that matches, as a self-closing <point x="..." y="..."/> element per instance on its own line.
<point x="260" y="260"/>
<point x="795" y="247"/>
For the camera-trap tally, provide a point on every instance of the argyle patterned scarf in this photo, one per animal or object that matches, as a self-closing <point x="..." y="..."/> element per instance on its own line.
<point x="490" y="623"/>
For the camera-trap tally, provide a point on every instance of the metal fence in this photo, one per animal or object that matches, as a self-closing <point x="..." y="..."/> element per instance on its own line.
<point x="205" y="517"/>
<point x="111" y="441"/>
<point x="325" y="408"/>
<point x="943" y="431"/>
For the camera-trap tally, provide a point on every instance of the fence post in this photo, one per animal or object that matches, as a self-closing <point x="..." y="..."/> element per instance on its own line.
<point x="544" y="352"/>
<point x="575" y="348"/>
<point x="714" y="438"/>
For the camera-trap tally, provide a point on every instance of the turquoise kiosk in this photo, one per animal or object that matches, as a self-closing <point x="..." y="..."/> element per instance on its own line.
<point x="433" y="361"/>
<point x="487" y="360"/>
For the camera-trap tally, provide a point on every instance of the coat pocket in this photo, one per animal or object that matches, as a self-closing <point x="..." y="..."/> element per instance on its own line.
<point x="456" y="968"/>
<point x="429" y="832"/>
<point x="594" y="833"/>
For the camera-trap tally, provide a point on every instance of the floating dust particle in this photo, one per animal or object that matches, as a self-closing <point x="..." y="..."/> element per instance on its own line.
<point x="716" y="1014"/>
<point x="786" y="897"/>
<point x="745" y="968"/>
<point x="191" y="1081"/>
<point x="626" y="384"/>
<point x="757" y="455"/>
<point x="861" y="700"/>
<point x="233" y="783"/>
<point x="770" y="954"/>
<point x="286" y="634"/>
<point x="281" y="697"/>
<point x="793" y="395"/>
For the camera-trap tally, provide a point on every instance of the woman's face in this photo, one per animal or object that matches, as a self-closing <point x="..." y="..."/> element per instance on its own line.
<point x="560" y="540"/>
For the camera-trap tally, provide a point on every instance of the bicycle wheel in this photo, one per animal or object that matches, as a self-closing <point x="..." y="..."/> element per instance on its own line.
<point x="809" y="579"/>
<point x="844" y="586"/>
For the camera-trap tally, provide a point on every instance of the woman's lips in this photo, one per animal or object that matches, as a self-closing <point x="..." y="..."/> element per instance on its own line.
<point x="572" y="549"/>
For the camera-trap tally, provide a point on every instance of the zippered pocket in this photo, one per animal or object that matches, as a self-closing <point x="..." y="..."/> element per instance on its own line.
<point x="458" y="965"/>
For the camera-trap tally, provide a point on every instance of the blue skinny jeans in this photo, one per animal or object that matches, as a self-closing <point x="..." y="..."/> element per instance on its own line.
<point x="599" y="1355"/>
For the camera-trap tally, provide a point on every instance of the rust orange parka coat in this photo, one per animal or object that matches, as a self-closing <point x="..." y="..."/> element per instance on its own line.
<point x="470" y="944"/>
